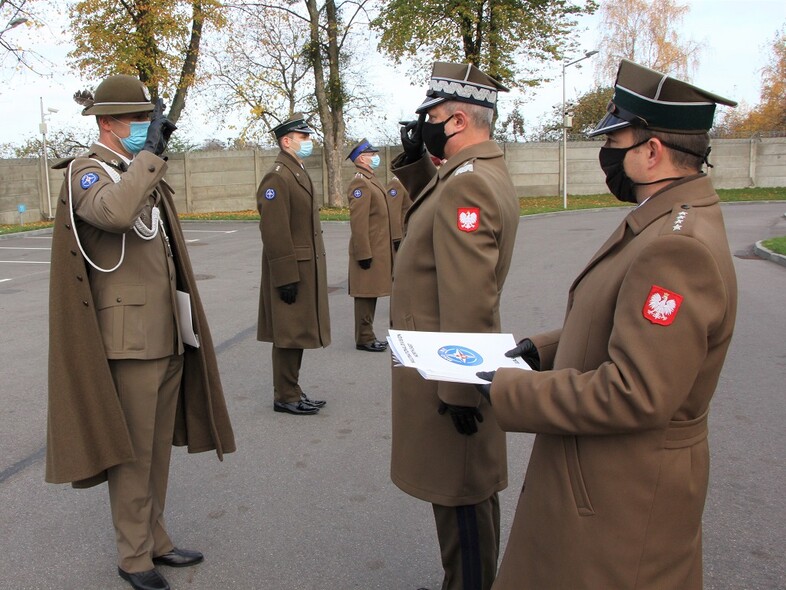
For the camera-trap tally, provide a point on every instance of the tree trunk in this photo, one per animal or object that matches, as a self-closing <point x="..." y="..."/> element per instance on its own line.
<point x="330" y="96"/>
<point x="189" y="63"/>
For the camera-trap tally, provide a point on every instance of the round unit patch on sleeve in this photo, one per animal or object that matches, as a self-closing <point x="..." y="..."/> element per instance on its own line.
<point x="357" y="193"/>
<point x="393" y="192"/>
<point x="88" y="179"/>
<point x="468" y="218"/>
<point x="270" y="194"/>
<point x="661" y="306"/>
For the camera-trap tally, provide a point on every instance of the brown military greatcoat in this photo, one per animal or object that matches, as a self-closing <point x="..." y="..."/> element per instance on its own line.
<point x="617" y="479"/>
<point x="87" y="430"/>
<point x="448" y="277"/>
<point x="292" y="252"/>
<point x="399" y="203"/>
<point x="369" y="221"/>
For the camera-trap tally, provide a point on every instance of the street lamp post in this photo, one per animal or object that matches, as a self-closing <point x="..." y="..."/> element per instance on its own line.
<point x="565" y="129"/>
<point x="45" y="158"/>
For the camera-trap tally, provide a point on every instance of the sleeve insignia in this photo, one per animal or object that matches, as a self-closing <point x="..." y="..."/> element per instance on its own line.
<point x="393" y="192"/>
<point x="88" y="179"/>
<point x="270" y="194"/>
<point x="357" y="193"/>
<point x="661" y="306"/>
<point x="468" y="218"/>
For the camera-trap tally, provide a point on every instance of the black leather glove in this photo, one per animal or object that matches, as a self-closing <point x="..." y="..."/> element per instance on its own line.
<point x="527" y="351"/>
<point x="396" y="244"/>
<point x="288" y="293"/>
<point x="412" y="139"/>
<point x="485" y="388"/>
<point x="160" y="130"/>
<point x="365" y="264"/>
<point x="463" y="417"/>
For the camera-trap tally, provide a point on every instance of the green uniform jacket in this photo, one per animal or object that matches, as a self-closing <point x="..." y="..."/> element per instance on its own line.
<point x="448" y="277"/>
<point x="616" y="483"/>
<point x="369" y="221"/>
<point x="86" y="428"/>
<point x="292" y="252"/>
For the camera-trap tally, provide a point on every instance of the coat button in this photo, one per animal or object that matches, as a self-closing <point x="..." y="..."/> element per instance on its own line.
<point x="63" y="201"/>
<point x="79" y="278"/>
<point x="151" y="169"/>
<point x="85" y="303"/>
<point x="68" y="226"/>
<point x="120" y="300"/>
<point x="686" y="207"/>
<point x="73" y="252"/>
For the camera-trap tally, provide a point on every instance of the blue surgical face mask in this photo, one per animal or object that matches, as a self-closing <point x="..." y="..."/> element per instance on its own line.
<point x="374" y="161"/>
<point x="305" y="149"/>
<point x="136" y="138"/>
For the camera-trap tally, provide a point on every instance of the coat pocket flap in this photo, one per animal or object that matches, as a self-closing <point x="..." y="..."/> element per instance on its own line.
<point x="302" y="252"/>
<point x="121" y="295"/>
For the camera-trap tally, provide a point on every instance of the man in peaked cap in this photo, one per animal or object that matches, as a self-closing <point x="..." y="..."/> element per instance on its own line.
<point x="449" y="272"/>
<point x="615" y="486"/>
<point x="125" y="378"/>
<point x="370" y="244"/>
<point x="293" y="298"/>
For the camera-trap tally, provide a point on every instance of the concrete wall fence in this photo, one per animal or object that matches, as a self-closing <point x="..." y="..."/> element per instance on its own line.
<point x="228" y="180"/>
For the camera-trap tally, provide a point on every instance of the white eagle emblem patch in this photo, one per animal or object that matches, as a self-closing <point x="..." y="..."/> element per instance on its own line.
<point x="466" y="167"/>
<point x="468" y="218"/>
<point x="661" y="306"/>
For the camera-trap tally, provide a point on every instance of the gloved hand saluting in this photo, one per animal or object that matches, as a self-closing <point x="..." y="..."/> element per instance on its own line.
<point x="288" y="293"/>
<point x="412" y="139"/>
<point x="160" y="130"/>
<point x="463" y="417"/>
<point x="365" y="264"/>
<point x="527" y="351"/>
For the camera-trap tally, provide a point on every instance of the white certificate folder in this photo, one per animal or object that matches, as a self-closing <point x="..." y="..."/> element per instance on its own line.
<point x="452" y="356"/>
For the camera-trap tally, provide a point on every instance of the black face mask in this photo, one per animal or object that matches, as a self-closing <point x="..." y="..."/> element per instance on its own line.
<point x="435" y="138"/>
<point x="612" y="163"/>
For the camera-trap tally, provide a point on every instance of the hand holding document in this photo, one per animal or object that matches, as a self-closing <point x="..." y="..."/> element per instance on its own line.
<point x="453" y="356"/>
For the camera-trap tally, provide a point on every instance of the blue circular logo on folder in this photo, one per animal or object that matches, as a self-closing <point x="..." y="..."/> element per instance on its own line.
<point x="460" y="355"/>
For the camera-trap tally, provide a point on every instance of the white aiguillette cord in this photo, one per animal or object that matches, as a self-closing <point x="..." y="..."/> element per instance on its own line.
<point x="144" y="232"/>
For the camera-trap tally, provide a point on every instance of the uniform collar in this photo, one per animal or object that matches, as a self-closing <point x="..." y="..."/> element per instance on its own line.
<point x="695" y="190"/>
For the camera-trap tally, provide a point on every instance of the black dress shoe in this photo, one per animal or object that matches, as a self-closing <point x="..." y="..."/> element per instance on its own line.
<point x="317" y="403"/>
<point x="299" y="408"/>
<point x="375" y="346"/>
<point x="149" y="580"/>
<point x="179" y="558"/>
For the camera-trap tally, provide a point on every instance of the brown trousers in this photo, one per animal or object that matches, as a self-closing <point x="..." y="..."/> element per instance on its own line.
<point x="469" y="544"/>
<point x="286" y="372"/>
<point x="148" y="392"/>
<point x="365" y="308"/>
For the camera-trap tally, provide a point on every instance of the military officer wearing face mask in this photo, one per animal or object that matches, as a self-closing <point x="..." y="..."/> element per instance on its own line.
<point x="370" y="244"/>
<point x="616" y="483"/>
<point x="293" y="299"/>
<point x="124" y="381"/>
<point x="449" y="273"/>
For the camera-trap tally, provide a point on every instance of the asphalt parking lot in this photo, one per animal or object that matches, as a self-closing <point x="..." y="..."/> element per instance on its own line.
<point x="306" y="502"/>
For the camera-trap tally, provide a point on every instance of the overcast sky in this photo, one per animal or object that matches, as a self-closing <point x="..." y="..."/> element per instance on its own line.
<point x="736" y="36"/>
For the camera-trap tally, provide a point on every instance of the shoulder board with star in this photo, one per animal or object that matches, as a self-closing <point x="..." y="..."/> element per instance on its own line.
<point x="680" y="221"/>
<point x="468" y="166"/>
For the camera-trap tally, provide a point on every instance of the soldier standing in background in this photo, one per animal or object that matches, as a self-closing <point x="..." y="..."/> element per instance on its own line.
<point x="370" y="245"/>
<point x="399" y="203"/>
<point x="293" y="298"/>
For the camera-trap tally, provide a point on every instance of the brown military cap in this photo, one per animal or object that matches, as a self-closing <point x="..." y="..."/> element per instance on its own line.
<point x="461" y="82"/>
<point x="646" y="98"/>
<point x="117" y="95"/>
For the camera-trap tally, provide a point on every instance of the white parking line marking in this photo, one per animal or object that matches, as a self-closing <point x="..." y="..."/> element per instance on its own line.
<point x="208" y="231"/>
<point x="4" y="280"/>
<point x="194" y="240"/>
<point x="21" y="248"/>
<point x="22" y="262"/>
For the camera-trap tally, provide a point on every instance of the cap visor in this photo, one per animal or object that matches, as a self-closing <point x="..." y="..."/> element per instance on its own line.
<point x="608" y="124"/>
<point x="430" y="102"/>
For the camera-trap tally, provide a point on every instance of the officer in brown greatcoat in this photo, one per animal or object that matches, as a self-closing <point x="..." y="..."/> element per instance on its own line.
<point x="615" y="487"/>
<point x="399" y="203"/>
<point x="293" y="298"/>
<point x="370" y="245"/>
<point x="448" y="277"/>
<point x="125" y="376"/>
